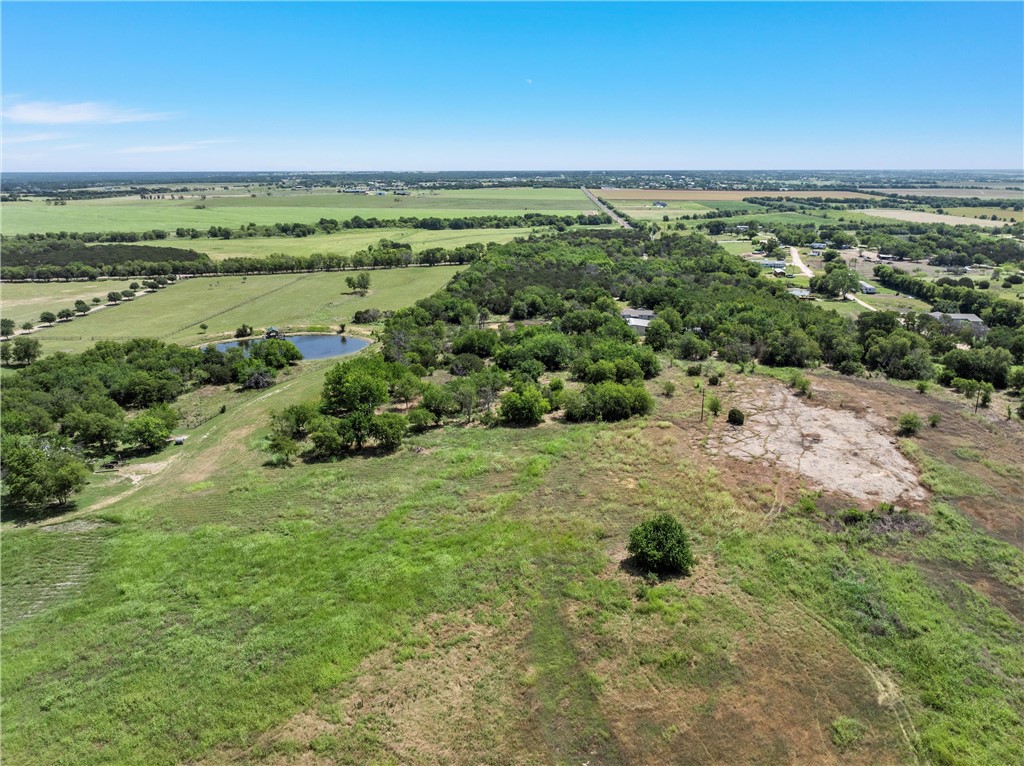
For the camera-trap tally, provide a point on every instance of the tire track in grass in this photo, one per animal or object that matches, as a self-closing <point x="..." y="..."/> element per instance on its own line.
<point x="571" y="722"/>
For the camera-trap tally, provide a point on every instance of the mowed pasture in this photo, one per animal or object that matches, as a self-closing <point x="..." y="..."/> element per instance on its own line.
<point x="135" y="214"/>
<point x="709" y="197"/>
<point x="224" y="303"/>
<point x="23" y="301"/>
<point x="917" y="216"/>
<point x="344" y="242"/>
<point x="988" y="212"/>
<point x="466" y="600"/>
<point x="981" y="192"/>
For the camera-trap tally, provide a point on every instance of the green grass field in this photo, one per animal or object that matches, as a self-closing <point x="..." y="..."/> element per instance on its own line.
<point x="134" y="214"/>
<point x="343" y="242"/>
<point x="988" y="212"/>
<point x="287" y="300"/>
<point x="465" y="598"/>
<point x="23" y="301"/>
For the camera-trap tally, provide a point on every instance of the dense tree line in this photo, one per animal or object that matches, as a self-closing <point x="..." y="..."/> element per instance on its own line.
<point x="67" y="409"/>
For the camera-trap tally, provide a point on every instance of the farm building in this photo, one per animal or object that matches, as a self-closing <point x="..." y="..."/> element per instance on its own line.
<point x="273" y="332"/>
<point x="819" y="245"/>
<point x="773" y="264"/>
<point x="973" y="320"/>
<point x="638" y="319"/>
<point x="639" y="326"/>
<point x="799" y="292"/>
<point x="638" y="314"/>
<point x="868" y="289"/>
<point x="886" y="257"/>
<point x="742" y="228"/>
<point x="779" y="273"/>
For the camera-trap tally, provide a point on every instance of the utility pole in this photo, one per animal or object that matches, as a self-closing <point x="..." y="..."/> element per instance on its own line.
<point x="703" y="393"/>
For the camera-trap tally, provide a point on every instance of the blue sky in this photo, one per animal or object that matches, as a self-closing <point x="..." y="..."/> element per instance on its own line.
<point x="430" y="86"/>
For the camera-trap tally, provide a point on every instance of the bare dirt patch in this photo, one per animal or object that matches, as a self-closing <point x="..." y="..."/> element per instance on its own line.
<point x="919" y="217"/>
<point x="836" y="450"/>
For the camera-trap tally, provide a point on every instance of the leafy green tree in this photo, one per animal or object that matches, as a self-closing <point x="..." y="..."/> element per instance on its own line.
<point x="359" y="283"/>
<point x="25" y="350"/>
<point x="353" y="391"/>
<point x="66" y="314"/>
<point x="658" y="334"/>
<point x="48" y="317"/>
<point x="147" y="432"/>
<point x="97" y="430"/>
<point x="81" y="307"/>
<point x="6" y="327"/>
<point x="39" y="471"/>
<point x="5" y="353"/>
<point x="283" y="447"/>
<point x="525" y="407"/>
<point x="388" y="429"/>
<point x="113" y="297"/>
<point x="660" y="545"/>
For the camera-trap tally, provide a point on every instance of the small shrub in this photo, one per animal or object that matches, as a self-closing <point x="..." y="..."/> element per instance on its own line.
<point x="922" y="386"/>
<point x="714" y="380"/>
<point x="934" y="419"/>
<point x="693" y="370"/>
<point x="801" y="384"/>
<point x="668" y="388"/>
<point x="714" y="405"/>
<point x="420" y="419"/>
<point x="660" y="545"/>
<point x="735" y="417"/>
<point x="908" y="424"/>
<point x="846" y="732"/>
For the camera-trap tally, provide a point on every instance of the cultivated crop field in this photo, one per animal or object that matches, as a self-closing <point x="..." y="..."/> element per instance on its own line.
<point x="981" y="192"/>
<point x="921" y="217"/>
<point x="285" y="300"/>
<point x="134" y="214"/>
<point x="988" y="212"/>
<point x="711" y="197"/>
<point x="465" y="601"/>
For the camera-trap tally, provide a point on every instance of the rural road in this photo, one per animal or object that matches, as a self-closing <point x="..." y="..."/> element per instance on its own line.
<point x="799" y="263"/>
<point x="601" y="206"/>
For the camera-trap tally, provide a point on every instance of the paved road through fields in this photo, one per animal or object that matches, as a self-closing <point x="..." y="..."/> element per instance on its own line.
<point x="604" y="208"/>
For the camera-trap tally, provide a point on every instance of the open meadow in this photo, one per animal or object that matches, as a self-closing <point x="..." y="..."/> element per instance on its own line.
<point x="710" y="197"/>
<point x="24" y="301"/>
<point x="981" y="192"/>
<point x="135" y="214"/>
<point x="344" y="242"/>
<point x="224" y="303"/>
<point x="466" y="599"/>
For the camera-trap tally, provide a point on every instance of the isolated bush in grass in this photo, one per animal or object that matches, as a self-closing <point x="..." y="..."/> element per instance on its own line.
<point x="668" y="388"/>
<point x="714" y="405"/>
<point x="908" y="424"/>
<point x="934" y="419"/>
<point x="736" y="417"/>
<point x="660" y="545"/>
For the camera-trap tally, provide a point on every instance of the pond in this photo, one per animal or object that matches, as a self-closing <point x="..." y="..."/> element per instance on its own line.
<point x="313" y="346"/>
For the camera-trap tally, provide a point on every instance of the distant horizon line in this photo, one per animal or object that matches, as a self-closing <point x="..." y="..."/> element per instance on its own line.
<point x="535" y="170"/>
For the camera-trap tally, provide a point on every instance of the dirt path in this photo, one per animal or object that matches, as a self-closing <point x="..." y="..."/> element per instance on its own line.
<point x="604" y="208"/>
<point x="798" y="262"/>
<point x="853" y="297"/>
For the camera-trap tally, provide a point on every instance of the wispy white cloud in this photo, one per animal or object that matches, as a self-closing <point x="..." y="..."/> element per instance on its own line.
<point x="164" y="148"/>
<point x="85" y="112"/>
<point x="29" y="138"/>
